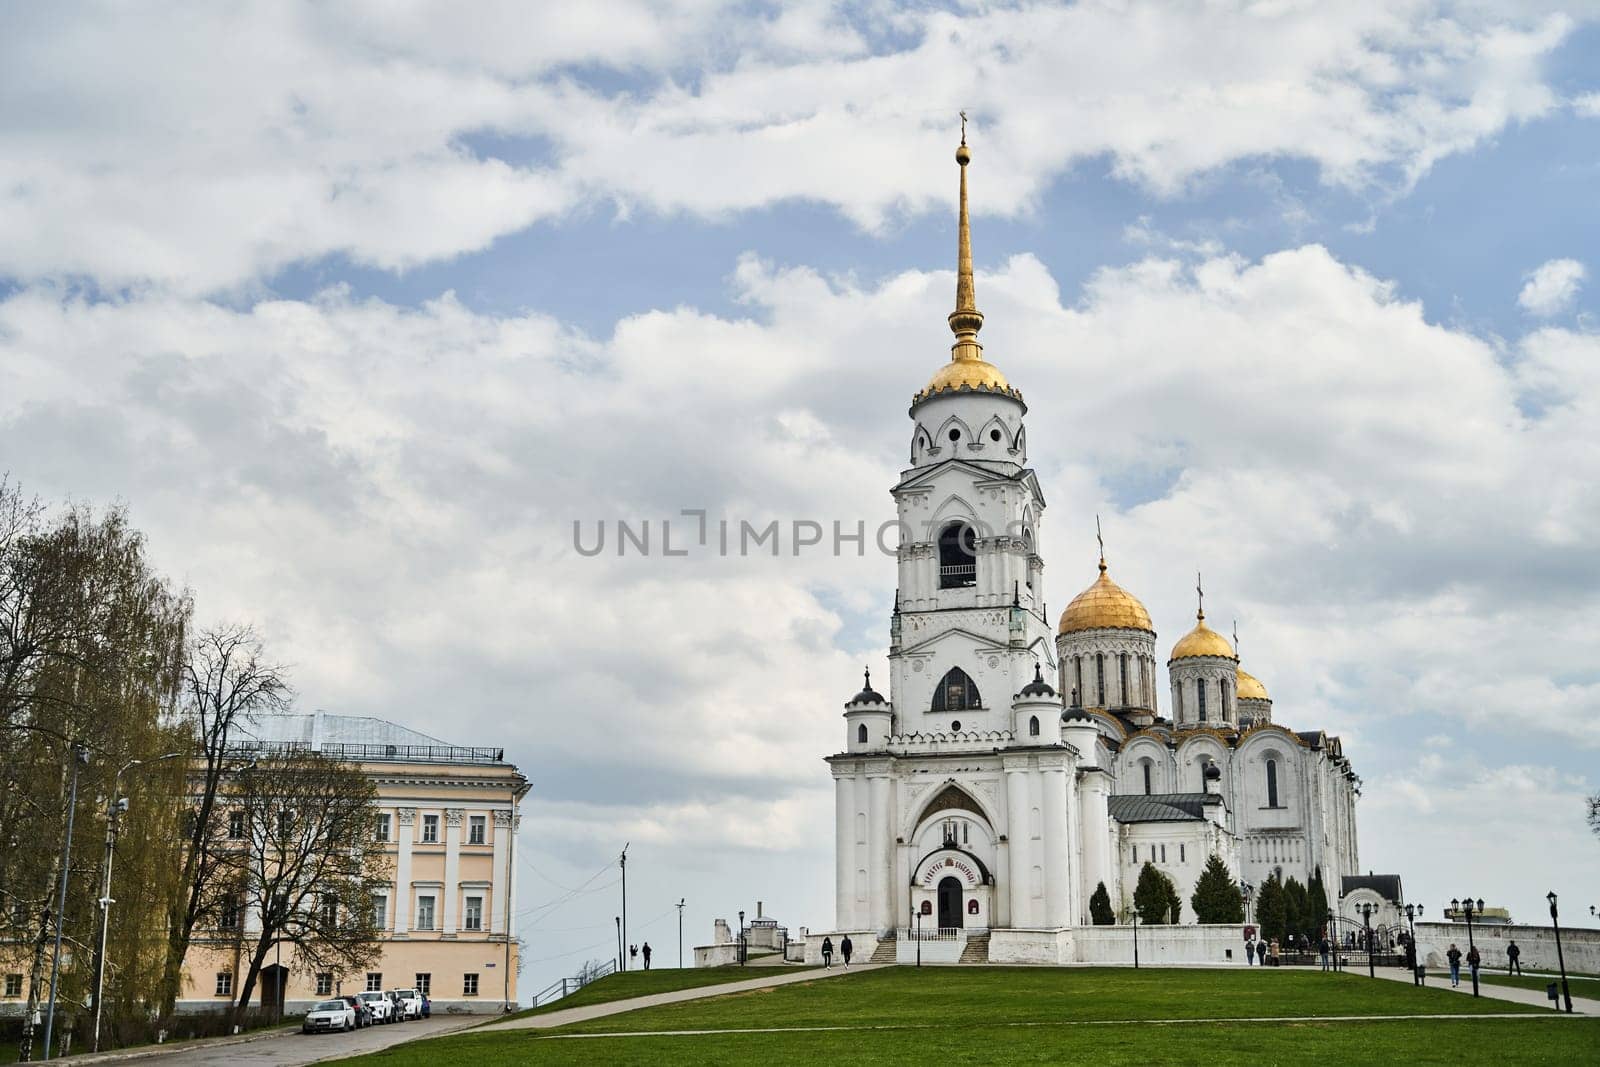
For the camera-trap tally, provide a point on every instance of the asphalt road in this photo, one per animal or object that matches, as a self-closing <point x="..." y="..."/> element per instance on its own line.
<point x="291" y="1050"/>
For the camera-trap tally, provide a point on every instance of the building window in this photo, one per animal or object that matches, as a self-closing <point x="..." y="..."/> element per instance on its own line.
<point x="1181" y="857"/>
<point x="1222" y="695"/>
<point x="1147" y="768"/>
<point x="1200" y="696"/>
<point x="224" y="983"/>
<point x="1077" y="685"/>
<point x="425" y="913"/>
<point x="861" y="734"/>
<point x="229" y="919"/>
<point x="472" y="918"/>
<point x="469" y="985"/>
<point x="425" y="983"/>
<point x="382" y="833"/>
<point x="1033" y="726"/>
<point x="956" y="692"/>
<point x="374" y="981"/>
<point x="1163" y="853"/>
<point x="380" y="912"/>
<point x="329" y="910"/>
<point x="477" y="829"/>
<point x="324" y="984"/>
<point x="13" y="985"/>
<point x="1135" y="855"/>
<point x="958" y="556"/>
<point x="1272" y="783"/>
<point x="1122" y="677"/>
<point x="236" y="825"/>
<point x="430" y="829"/>
<point x="1100" y="679"/>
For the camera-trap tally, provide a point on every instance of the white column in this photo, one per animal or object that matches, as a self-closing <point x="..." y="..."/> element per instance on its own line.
<point x="1053" y="799"/>
<point x="452" y="868"/>
<point x="1017" y="842"/>
<point x="844" y="853"/>
<point x="1094" y="818"/>
<point x="500" y="895"/>
<point x="878" y="857"/>
<point x="405" y="822"/>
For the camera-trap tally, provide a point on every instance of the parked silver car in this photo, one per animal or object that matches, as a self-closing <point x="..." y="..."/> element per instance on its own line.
<point x="330" y="1015"/>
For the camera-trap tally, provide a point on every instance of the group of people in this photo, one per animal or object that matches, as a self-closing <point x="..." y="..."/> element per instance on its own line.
<point x="633" y="954"/>
<point x="845" y="948"/>
<point x="1474" y="960"/>
<point x="1258" y="951"/>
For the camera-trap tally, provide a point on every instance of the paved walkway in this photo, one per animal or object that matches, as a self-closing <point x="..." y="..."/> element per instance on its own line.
<point x="1580" y="1005"/>
<point x="617" y="1007"/>
<point x="279" y="1048"/>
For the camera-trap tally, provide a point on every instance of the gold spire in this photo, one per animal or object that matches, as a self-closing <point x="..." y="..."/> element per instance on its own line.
<point x="967" y="368"/>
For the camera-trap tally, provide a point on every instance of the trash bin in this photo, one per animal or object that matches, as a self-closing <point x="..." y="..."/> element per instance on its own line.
<point x="1552" y="992"/>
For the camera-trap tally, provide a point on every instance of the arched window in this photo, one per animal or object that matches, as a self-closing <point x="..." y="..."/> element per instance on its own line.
<point x="1272" y="783"/>
<point x="1200" y="693"/>
<point x="1077" y="686"/>
<point x="861" y="734"/>
<point x="958" y="556"/>
<point x="1147" y="769"/>
<point x="1122" y="677"/>
<point x="1100" y="678"/>
<point x="1222" y="691"/>
<point x="956" y="692"/>
<point x="1033" y="726"/>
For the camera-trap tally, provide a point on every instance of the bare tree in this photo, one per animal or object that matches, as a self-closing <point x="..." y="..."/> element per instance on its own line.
<point x="310" y="866"/>
<point x="227" y="682"/>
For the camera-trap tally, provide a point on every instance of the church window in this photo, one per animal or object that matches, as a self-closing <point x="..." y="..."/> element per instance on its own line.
<point x="1122" y="678"/>
<point x="1181" y="858"/>
<point x="994" y="435"/>
<point x="1033" y="726"/>
<point x="861" y="734"/>
<point x="1222" y="691"/>
<point x="955" y="435"/>
<point x="1163" y="853"/>
<point x="1077" y="688"/>
<point x="958" y="556"/>
<point x="1272" y="783"/>
<point x="972" y="907"/>
<point x="956" y="692"/>
<point x="1100" y="678"/>
<point x="1200" y="695"/>
<point x="1135" y="855"/>
<point x="1147" y="767"/>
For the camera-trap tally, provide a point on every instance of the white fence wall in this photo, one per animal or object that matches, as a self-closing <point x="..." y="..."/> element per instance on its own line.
<point x="1581" y="947"/>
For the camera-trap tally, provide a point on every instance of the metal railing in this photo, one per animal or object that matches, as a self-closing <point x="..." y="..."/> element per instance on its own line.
<point x="564" y="986"/>
<point x="957" y="574"/>
<point x="940" y="933"/>
<point x="370" y="752"/>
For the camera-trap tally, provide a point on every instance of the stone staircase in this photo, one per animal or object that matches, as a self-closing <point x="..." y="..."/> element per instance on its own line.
<point x="976" y="950"/>
<point x="885" y="951"/>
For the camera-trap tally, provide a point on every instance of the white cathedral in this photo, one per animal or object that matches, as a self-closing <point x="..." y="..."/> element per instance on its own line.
<point x="1011" y="770"/>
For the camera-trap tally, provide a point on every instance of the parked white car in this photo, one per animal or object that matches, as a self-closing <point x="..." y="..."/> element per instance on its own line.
<point x="382" y="1007"/>
<point x="330" y="1015"/>
<point x="410" y="1003"/>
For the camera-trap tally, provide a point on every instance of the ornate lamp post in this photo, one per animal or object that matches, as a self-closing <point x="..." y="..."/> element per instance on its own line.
<point x="1366" y="924"/>
<point x="741" y="939"/>
<point x="1468" y="906"/>
<point x="1136" y="940"/>
<point x="1412" y="912"/>
<point x="1561" y="960"/>
<point x="1333" y="940"/>
<point x="680" y="932"/>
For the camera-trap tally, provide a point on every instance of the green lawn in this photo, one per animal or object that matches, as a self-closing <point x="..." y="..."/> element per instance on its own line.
<point x="643" y="983"/>
<point x="1445" y="1042"/>
<point x="1045" y="1015"/>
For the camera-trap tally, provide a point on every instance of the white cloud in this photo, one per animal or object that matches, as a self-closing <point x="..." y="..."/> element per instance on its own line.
<point x="205" y="150"/>
<point x="1587" y="105"/>
<point x="1551" y="288"/>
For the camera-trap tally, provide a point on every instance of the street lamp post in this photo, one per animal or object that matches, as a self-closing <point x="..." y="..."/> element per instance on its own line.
<point x="623" y="927"/>
<point x="919" y="937"/>
<point x="618" y="919"/>
<point x="741" y="939"/>
<point x="80" y="758"/>
<point x="1561" y="960"/>
<point x="115" y="807"/>
<point x="1136" y="940"/>
<point x="680" y="933"/>
<point x="1467" y="906"/>
<point x="1366" y="924"/>
<point x="1411" y="944"/>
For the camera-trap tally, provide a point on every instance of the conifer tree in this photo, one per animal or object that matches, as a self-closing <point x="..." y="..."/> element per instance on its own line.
<point x="1100" y="907"/>
<point x="1316" y="905"/>
<point x="1152" y="897"/>
<point x="1270" y="910"/>
<point x="1216" y="895"/>
<point x="1296" y="907"/>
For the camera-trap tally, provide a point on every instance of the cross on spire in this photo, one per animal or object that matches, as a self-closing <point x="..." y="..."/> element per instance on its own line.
<point x="963" y="127"/>
<point x="1200" y="593"/>
<point x="1235" y="637"/>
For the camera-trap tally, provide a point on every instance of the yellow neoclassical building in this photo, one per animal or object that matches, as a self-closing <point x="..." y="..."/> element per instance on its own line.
<point x="449" y="814"/>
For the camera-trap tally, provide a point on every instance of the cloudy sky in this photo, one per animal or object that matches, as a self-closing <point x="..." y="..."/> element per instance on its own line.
<point x="360" y="310"/>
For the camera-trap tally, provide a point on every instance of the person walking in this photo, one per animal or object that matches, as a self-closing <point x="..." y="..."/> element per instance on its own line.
<point x="1249" y="953"/>
<point x="1324" y="946"/>
<point x="647" y="955"/>
<point x="827" y="952"/>
<point x="845" y="948"/>
<point x="1454" y="956"/>
<point x="1513" y="959"/>
<point x="1272" y="951"/>
<point x="1473" y="959"/>
<point x="633" y="954"/>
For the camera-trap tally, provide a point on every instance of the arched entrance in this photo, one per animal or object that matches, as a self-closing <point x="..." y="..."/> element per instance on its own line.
<point x="950" y="911"/>
<point x="274" y="979"/>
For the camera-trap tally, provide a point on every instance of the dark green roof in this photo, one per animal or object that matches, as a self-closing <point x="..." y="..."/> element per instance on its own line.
<point x="1161" y="807"/>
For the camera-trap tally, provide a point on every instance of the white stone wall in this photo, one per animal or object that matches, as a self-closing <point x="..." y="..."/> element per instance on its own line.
<point x="1160" y="945"/>
<point x="1052" y="947"/>
<point x="1581" y="947"/>
<point x="863" y="943"/>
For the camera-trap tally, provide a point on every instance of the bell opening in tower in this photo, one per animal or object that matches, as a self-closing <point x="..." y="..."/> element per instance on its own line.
<point x="958" y="556"/>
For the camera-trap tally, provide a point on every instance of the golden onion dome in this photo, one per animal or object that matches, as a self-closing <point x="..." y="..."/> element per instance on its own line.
<point x="968" y="374"/>
<point x="1105" y="605"/>
<point x="1250" y="687"/>
<point x="1202" y="641"/>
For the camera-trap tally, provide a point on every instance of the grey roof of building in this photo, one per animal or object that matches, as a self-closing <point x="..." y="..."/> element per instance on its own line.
<point x="1386" y="886"/>
<point x="319" y="728"/>
<point x="1160" y="807"/>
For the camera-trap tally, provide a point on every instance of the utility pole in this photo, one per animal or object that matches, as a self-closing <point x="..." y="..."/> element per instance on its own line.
<point x="680" y="933"/>
<point x="624" y="864"/>
<point x="80" y="758"/>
